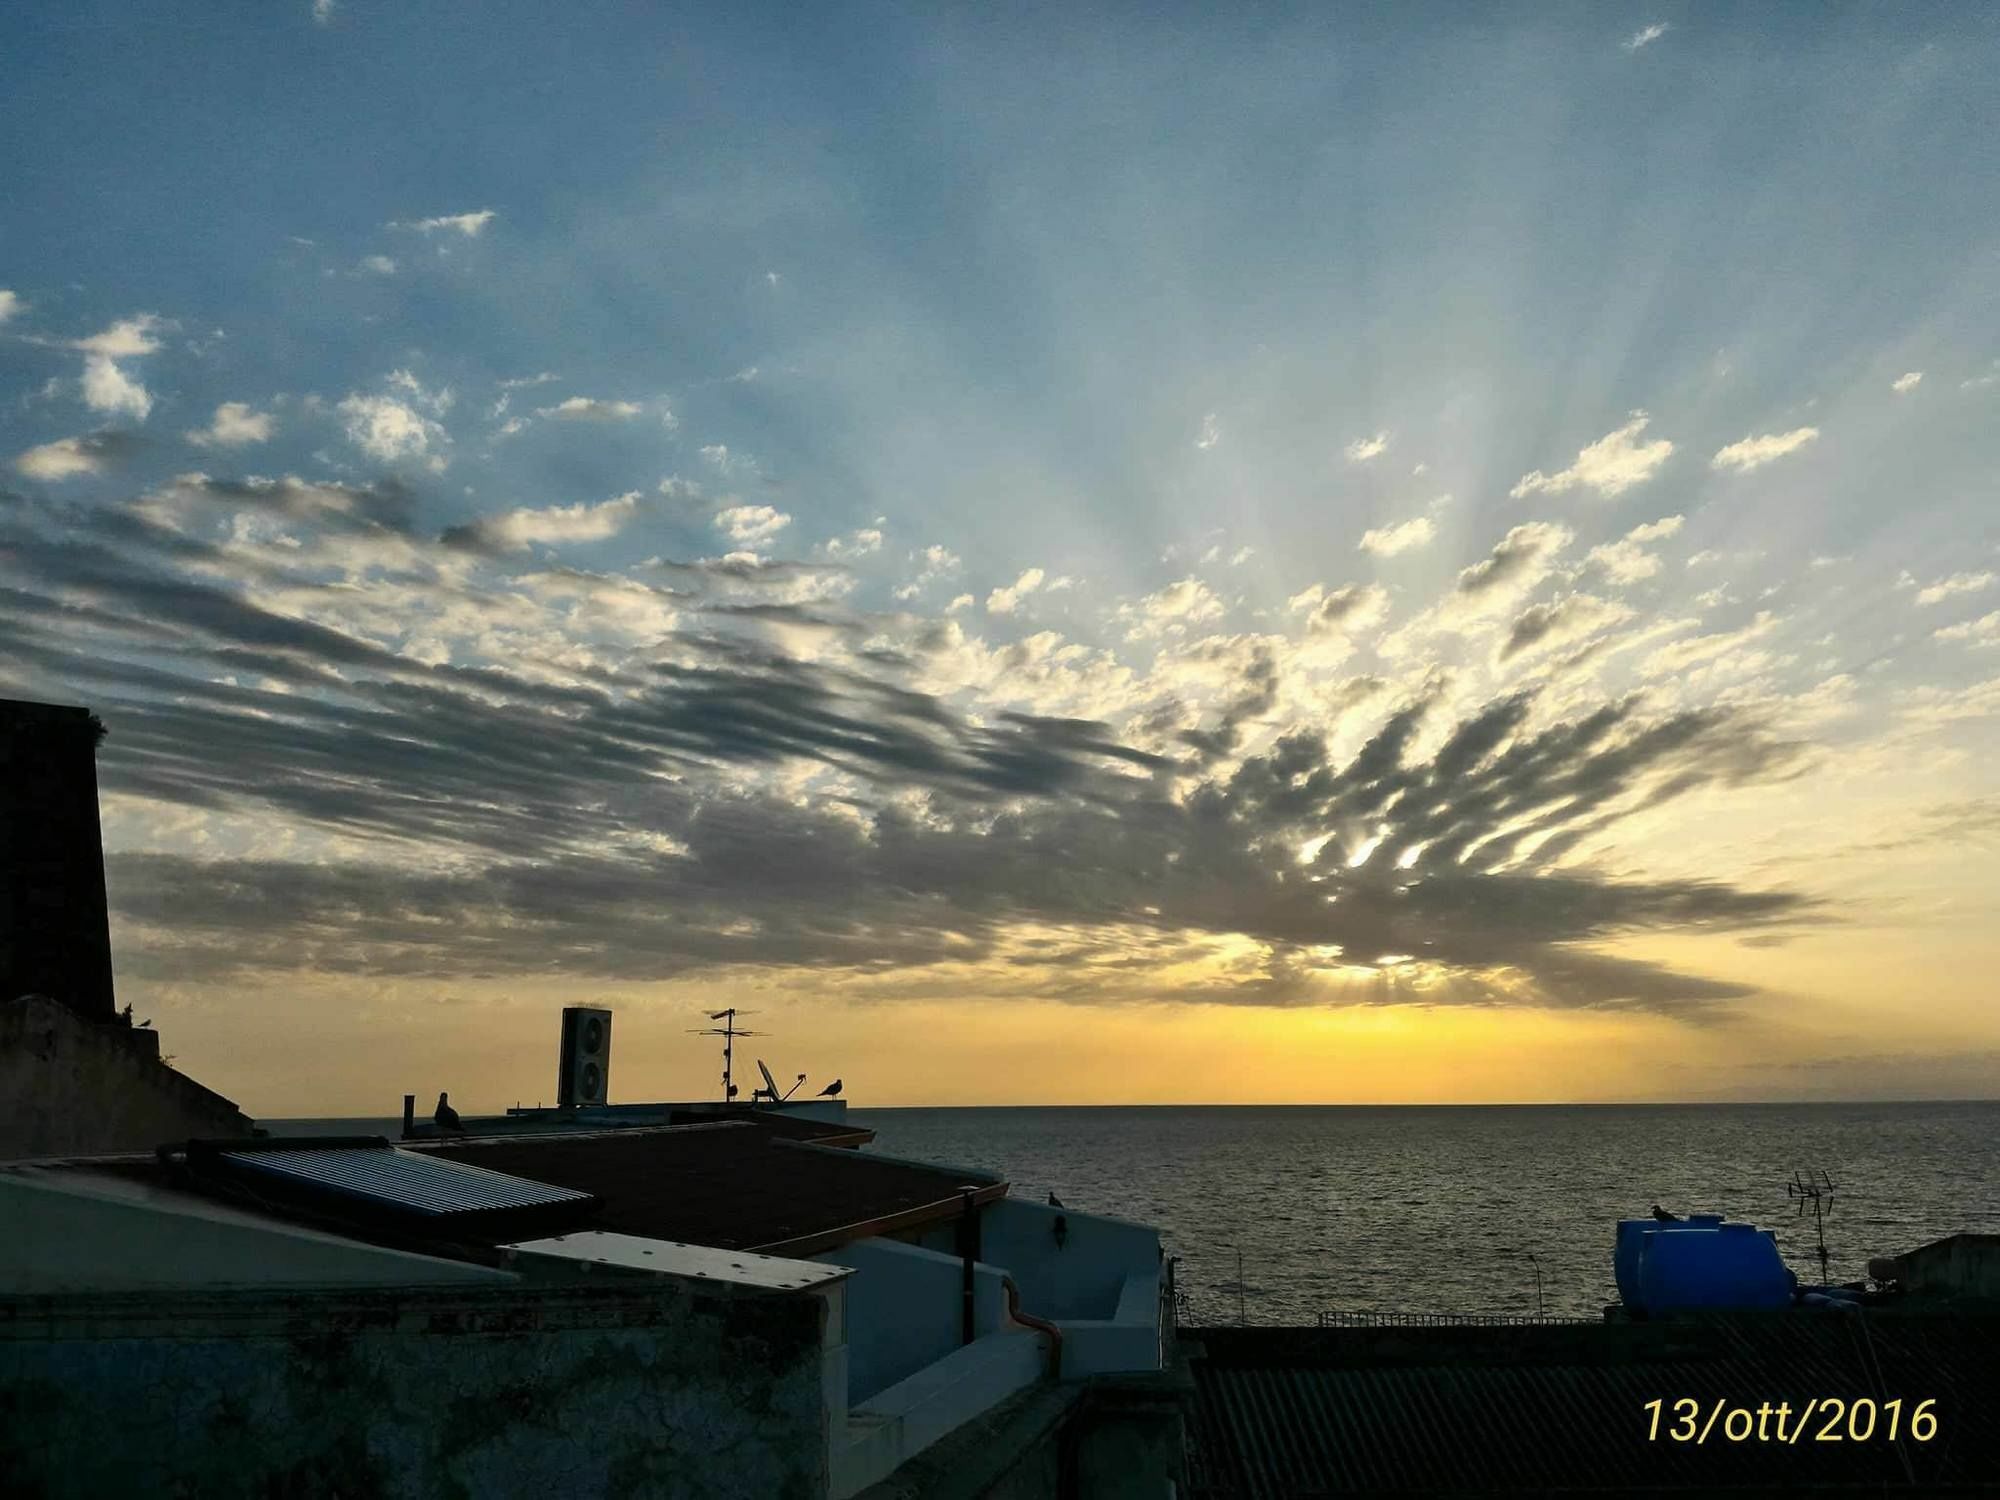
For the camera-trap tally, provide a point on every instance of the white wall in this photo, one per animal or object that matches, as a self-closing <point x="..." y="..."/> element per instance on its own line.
<point x="904" y="1310"/>
<point x="1085" y="1277"/>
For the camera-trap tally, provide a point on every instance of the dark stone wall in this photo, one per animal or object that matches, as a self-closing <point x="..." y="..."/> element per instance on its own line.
<point x="55" y="936"/>
<point x="627" y="1389"/>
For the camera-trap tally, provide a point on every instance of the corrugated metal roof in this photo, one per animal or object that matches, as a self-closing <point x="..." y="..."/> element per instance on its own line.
<point x="405" y="1180"/>
<point x="1310" y="1412"/>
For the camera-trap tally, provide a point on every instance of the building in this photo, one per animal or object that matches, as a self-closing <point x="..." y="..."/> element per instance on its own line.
<point x="728" y="1307"/>
<point x="75" y="1074"/>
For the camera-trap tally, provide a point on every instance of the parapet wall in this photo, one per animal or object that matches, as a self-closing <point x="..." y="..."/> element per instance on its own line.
<point x="70" y="1086"/>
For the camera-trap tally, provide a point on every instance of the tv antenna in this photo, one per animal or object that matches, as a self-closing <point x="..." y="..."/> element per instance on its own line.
<point x="770" y="1089"/>
<point x="1806" y="1189"/>
<point x="729" y="1031"/>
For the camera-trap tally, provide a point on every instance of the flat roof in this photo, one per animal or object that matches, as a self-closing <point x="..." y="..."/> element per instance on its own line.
<point x="744" y="1268"/>
<point x="728" y="1184"/>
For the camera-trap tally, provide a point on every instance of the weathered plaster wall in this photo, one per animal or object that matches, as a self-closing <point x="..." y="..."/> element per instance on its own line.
<point x="598" y="1391"/>
<point x="75" y="1087"/>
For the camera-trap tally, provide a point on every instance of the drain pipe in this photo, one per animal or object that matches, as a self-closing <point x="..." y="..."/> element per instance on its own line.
<point x="1040" y="1325"/>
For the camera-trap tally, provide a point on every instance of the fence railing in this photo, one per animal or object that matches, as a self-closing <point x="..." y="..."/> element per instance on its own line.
<point x="1445" y="1320"/>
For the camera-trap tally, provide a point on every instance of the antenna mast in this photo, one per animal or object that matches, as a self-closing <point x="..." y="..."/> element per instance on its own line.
<point x="1818" y="1191"/>
<point x="729" y="1031"/>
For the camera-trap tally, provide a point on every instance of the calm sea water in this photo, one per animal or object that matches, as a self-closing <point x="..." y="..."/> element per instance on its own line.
<point x="1440" y="1209"/>
<point x="1407" y="1209"/>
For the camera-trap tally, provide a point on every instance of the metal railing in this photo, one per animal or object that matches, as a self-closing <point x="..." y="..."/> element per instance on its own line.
<point x="1445" y="1320"/>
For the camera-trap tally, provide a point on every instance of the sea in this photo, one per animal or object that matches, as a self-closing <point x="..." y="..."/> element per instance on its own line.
<point x="1287" y="1214"/>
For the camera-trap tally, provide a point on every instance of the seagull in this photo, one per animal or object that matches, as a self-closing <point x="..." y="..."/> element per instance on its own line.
<point x="830" y="1090"/>
<point x="1664" y="1217"/>
<point x="1054" y="1201"/>
<point x="446" y="1116"/>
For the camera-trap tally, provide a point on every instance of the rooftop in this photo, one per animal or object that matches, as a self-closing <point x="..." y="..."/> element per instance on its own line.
<point x="733" y="1184"/>
<point x="1429" y="1411"/>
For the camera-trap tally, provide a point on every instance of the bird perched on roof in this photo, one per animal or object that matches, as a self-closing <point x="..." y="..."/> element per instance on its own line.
<point x="830" y="1090"/>
<point x="446" y="1116"/>
<point x="1664" y="1217"/>
<point x="1054" y="1201"/>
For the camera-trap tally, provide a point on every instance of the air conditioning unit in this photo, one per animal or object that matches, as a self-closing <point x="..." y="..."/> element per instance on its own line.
<point x="586" y="1056"/>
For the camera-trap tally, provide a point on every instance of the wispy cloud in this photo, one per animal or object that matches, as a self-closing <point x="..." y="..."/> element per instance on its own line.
<point x="1387" y="541"/>
<point x="1754" y="452"/>
<point x="1909" y="380"/>
<point x="68" y="457"/>
<point x="515" y="530"/>
<point x="1627" y="560"/>
<point x="1957" y="583"/>
<point x="1211" y="432"/>
<point x="10" y="304"/>
<point x="748" y="525"/>
<point x="1984" y="631"/>
<point x="1004" y="601"/>
<point x="1364" y="448"/>
<point x="1646" y="35"/>
<point x="1611" y="465"/>
<point x="234" y="426"/>
<point x="470" y="225"/>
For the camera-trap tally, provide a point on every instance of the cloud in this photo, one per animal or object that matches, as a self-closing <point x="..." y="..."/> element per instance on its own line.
<point x="1519" y="560"/>
<point x="1387" y="541"/>
<point x="67" y="457"/>
<point x="590" y="409"/>
<point x="862" y="543"/>
<point x="378" y="265"/>
<point x="1561" y="622"/>
<point x="749" y="524"/>
<point x="106" y="387"/>
<point x="1611" y="465"/>
<point x="1984" y="631"/>
<point x="1168" y="611"/>
<point x="1755" y="452"/>
<point x="1211" y="432"/>
<point x="1957" y="583"/>
<point x="716" y="767"/>
<point x="388" y="429"/>
<point x="1646" y="34"/>
<point x="1908" y="381"/>
<point x="515" y="530"/>
<point x="322" y="11"/>
<point x="470" y="225"/>
<point x="235" y="425"/>
<point x="1004" y="601"/>
<point x="128" y="338"/>
<point x="1626" y="560"/>
<point x="10" y="305"/>
<point x="1351" y="607"/>
<point x="1364" y="448"/>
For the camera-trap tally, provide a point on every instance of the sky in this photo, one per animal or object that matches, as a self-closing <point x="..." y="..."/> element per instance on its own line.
<point x="1323" y="555"/>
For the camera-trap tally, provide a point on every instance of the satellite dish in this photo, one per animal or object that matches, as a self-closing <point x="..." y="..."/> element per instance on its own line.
<point x="770" y="1083"/>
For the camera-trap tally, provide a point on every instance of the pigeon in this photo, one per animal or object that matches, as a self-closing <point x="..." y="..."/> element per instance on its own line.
<point x="1664" y="1217"/>
<point x="1054" y="1201"/>
<point x="446" y="1116"/>
<point x="830" y="1090"/>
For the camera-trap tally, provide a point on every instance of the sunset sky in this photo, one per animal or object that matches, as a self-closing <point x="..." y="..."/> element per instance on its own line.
<point x="1363" y="554"/>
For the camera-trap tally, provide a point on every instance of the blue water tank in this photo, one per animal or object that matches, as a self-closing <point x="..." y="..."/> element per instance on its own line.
<point x="1712" y="1267"/>
<point x="1625" y="1255"/>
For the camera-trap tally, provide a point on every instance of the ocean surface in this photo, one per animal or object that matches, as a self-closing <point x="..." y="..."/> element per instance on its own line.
<point x="1456" y="1209"/>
